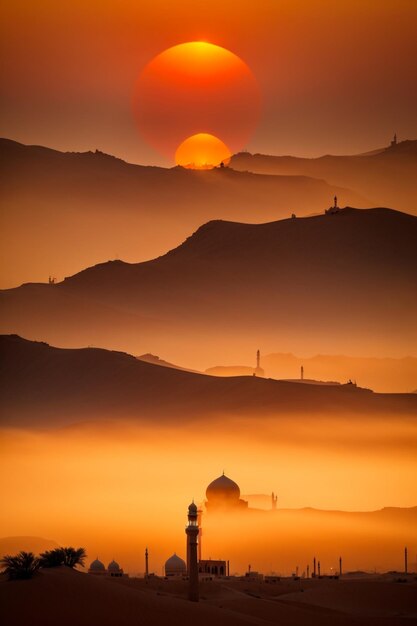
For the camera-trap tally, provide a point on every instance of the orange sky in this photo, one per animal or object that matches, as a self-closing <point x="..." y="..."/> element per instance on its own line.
<point x="334" y="76"/>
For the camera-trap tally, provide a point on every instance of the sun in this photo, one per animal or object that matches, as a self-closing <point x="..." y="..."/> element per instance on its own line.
<point x="196" y="88"/>
<point x="202" y="151"/>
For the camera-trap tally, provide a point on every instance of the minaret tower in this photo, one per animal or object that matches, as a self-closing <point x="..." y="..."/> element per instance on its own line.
<point x="146" y="564"/>
<point x="258" y="359"/>
<point x="192" y="542"/>
<point x="200" y="533"/>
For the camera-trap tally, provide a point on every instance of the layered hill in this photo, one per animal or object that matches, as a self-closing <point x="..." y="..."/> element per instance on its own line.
<point x="386" y="176"/>
<point x="380" y="374"/>
<point x="64" y="211"/>
<point x="340" y="282"/>
<point x="46" y="386"/>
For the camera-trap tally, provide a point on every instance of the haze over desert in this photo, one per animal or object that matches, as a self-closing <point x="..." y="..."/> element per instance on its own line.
<point x="208" y="305"/>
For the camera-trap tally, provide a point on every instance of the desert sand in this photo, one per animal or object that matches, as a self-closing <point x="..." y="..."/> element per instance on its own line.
<point x="72" y="598"/>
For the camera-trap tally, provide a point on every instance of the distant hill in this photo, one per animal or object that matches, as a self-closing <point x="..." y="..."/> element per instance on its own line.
<point x="13" y="545"/>
<point x="343" y="282"/>
<point x="42" y="385"/>
<point x="65" y="211"/>
<point x="383" y="374"/>
<point x="156" y="360"/>
<point x="386" y="176"/>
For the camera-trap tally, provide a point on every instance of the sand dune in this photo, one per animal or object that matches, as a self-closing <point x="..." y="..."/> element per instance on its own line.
<point x="41" y="601"/>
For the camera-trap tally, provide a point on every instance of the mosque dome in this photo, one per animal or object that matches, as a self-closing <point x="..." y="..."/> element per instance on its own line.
<point x="97" y="566"/>
<point x="223" y="488"/>
<point x="113" y="567"/>
<point x="175" y="566"/>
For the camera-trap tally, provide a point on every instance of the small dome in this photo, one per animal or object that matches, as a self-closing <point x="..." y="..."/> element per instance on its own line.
<point x="192" y="509"/>
<point x="113" y="567"/>
<point x="175" y="565"/>
<point x="97" y="566"/>
<point x="223" y="488"/>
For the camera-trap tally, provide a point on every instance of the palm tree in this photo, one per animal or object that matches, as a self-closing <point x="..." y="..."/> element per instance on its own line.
<point x="73" y="557"/>
<point x="22" y="565"/>
<point x="52" y="558"/>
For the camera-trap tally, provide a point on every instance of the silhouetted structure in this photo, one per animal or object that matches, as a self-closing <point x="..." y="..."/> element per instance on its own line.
<point x="405" y="560"/>
<point x="146" y="564"/>
<point x="175" y="567"/>
<point x="314" y="567"/>
<point x="340" y="566"/>
<point x="212" y="568"/>
<point x="302" y="372"/>
<point x="274" y="500"/>
<point x="114" y="570"/>
<point x="224" y="493"/>
<point x="394" y="140"/>
<point x="258" y="369"/>
<point x="192" y="561"/>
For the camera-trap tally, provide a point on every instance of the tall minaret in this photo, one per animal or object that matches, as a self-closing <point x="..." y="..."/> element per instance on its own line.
<point x="146" y="564"/>
<point x="192" y="541"/>
<point x="200" y="533"/>
<point x="274" y="499"/>
<point x="302" y="372"/>
<point x="335" y="203"/>
<point x="258" y="359"/>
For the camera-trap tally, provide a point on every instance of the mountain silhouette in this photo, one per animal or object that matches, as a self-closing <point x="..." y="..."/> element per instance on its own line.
<point x="331" y="283"/>
<point x="386" y="176"/>
<point x="50" y="200"/>
<point x="47" y="386"/>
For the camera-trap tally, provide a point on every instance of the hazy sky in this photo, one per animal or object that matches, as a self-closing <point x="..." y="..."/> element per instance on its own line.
<point x="335" y="77"/>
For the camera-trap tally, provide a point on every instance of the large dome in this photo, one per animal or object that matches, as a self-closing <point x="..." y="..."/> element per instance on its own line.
<point x="175" y="565"/>
<point x="97" y="566"/>
<point x="113" y="567"/>
<point x="223" y="488"/>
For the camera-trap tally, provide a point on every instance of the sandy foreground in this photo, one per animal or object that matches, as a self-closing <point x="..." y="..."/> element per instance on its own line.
<point x="62" y="596"/>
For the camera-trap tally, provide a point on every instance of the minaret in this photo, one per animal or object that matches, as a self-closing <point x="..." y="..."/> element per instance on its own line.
<point x="318" y="567"/>
<point x="314" y="567"/>
<point x="258" y="359"/>
<point x="200" y="533"/>
<point x="302" y="372"/>
<point x="340" y="565"/>
<point x="192" y="563"/>
<point x="308" y="571"/>
<point x="335" y="203"/>
<point x="146" y="564"/>
<point x="405" y="561"/>
<point x="274" y="500"/>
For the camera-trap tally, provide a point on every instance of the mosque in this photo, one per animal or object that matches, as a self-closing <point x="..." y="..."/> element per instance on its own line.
<point x="114" y="570"/>
<point x="222" y="495"/>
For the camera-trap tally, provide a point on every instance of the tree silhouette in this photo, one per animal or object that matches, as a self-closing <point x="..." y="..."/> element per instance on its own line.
<point x="20" y="566"/>
<point x="52" y="558"/>
<point x="73" y="557"/>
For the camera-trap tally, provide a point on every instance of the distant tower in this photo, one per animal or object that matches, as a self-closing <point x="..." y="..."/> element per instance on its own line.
<point x="274" y="500"/>
<point x="258" y="370"/>
<point x="302" y="372"/>
<point x="146" y="563"/>
<point x="318" y="568"/>
<point x="314" y="567"/>
<point x="394" y="141"/>
<point x="405" y="561"/>
<point x="192" y="563"/>
<point x="335" y="203"/>
<point x="308" y="571"/>
<point x="340" y="566"/>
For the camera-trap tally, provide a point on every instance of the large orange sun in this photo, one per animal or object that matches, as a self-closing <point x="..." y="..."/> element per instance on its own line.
<point x="194" y="89"/>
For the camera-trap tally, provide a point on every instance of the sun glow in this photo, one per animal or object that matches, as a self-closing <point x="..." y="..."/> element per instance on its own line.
<point x="194" y="86"/>
<point x="202" y="151"/>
